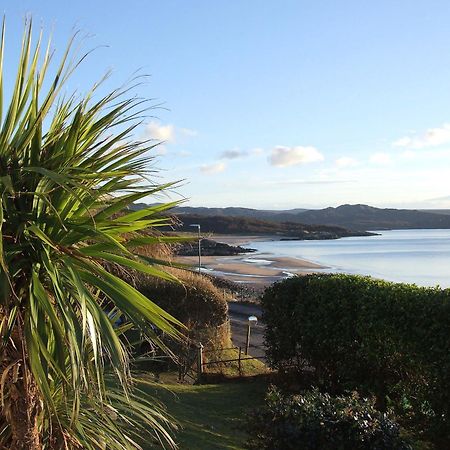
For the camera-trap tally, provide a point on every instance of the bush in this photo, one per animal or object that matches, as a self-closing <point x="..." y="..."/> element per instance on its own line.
<point x="382" y="338"/>
<point x="318" y="421"/>
<point x="195" y="301"/>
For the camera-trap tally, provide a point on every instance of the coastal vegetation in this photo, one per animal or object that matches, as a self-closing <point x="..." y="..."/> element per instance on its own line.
<point x="91" y="301"/>
<point x="318" y="421"/>
<point x="381" y="339"/>
<point x="197" y="303"/>
<point x="68" y="171"/>
<point x="244" y="225"/>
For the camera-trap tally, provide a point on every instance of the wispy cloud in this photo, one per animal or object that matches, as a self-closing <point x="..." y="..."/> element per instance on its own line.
<point x="432" y="137"/>
<point x="236" y="153"/>
<point x="256" y="151"/>
<point x="291" y="156"/>
<point x="297" y="182"/>
<point x="381" y="159"/>
<point x="233" y="154"/>
<point x="166" y="133"/>
<point x="345" y="162"/>
<point x="211" y="169"/>
<point x="439" y="202"/>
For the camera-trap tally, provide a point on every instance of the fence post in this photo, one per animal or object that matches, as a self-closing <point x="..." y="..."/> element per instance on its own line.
<point x="247" y="341"/>
<point x="239" y="362"/>
<point x="199" y="362"/>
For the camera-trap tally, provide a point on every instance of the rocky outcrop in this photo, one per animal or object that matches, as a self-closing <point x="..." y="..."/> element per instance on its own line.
<point x="211" y="248"/>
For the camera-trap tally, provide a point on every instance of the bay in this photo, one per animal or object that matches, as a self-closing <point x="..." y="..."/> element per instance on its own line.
<point x="412" y="256"/>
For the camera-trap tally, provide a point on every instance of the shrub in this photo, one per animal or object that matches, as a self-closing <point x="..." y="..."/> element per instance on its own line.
<point x="195" y="301"/>
<point x="387" y="339"/>
<point x="318" y="421"/>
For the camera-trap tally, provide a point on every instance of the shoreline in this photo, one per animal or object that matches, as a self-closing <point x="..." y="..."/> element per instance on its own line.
<point x="253" y="269"/>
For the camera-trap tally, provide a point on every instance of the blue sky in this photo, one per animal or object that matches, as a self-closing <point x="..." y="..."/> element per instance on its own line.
<point x="278" y="104"/>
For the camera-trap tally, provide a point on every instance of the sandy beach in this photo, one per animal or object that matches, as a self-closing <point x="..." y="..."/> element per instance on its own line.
<point x="257" y="269"/>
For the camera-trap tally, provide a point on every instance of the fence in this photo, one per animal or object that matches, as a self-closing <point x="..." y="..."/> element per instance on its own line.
<point x="199" y="360"/>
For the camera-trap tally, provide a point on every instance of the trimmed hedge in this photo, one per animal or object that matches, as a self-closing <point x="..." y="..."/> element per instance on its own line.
<point x="316" y="421"/>
<point x="387" y="339"/>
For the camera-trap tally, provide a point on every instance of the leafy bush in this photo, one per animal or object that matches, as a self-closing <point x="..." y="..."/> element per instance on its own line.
<point x="382" y="338"/>
<point x="318" y="421"/>
<point x="195" y="301"/>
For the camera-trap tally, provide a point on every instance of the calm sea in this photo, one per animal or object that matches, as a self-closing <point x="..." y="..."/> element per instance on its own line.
<point x="411" y="256"/>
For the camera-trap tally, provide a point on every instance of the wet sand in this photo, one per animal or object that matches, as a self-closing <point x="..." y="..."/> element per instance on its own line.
<point x="251" y="268"/>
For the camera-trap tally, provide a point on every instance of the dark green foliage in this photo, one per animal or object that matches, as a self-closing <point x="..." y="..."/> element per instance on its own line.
<point x="390" y="340"/>
<point x="316" y="421"/>
<point x="249" y="225"/>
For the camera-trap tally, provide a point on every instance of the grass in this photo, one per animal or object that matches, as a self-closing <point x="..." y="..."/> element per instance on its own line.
<point x="249" y="367"/>
<point x="211" y="416"/>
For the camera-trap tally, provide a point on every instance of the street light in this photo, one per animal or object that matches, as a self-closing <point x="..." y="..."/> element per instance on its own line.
<point x="199" y="246"/>
<point x="252" y="320"/>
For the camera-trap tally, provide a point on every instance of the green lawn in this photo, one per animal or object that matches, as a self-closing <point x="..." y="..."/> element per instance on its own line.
<point x="211" y="416"/>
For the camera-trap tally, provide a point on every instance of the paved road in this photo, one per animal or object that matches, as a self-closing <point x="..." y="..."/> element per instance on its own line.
<point x="239" y="314"/>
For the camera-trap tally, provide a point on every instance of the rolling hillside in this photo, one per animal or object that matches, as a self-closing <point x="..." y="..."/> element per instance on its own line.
<point x="351" y="217"/>
<point x="363" y="217"/>
<point x="245" y="226"/>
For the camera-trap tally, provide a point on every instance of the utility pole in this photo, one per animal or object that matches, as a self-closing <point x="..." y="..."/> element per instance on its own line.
<point x="199" y="246"/>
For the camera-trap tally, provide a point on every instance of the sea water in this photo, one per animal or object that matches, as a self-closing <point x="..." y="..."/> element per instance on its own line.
<point x="412" y="256"/>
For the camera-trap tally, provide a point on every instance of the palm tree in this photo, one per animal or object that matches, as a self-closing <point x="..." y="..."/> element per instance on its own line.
<point x="68" y="170"/>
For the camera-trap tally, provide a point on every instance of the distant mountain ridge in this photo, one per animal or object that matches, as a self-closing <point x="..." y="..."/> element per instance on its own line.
<point x="262" y="214"/>
<point x="364" y="217"/>
<point x="248" y="225"/>
<point x="353" y="217"/>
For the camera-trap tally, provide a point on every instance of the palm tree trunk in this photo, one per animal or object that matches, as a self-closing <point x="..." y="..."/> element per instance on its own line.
<point x="22" y="405"/>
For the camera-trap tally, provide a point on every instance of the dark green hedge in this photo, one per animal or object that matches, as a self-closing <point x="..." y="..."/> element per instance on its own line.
<point x="387" y="339"/>
<point x="316" y="421"/>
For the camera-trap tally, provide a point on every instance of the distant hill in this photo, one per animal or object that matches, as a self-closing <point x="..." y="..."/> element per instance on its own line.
<point x="352" y="217"/>
<point x="437" y="211"/>
<point x="245" y="225"/>
<point x="363" y="217"/>
<point x="262" y="214"/>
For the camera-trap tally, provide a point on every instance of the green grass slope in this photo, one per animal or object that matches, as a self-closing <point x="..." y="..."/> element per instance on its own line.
<point x="211" y="417"/>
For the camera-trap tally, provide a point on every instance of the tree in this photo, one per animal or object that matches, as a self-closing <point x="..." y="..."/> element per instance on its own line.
<point x="68" y="170"/>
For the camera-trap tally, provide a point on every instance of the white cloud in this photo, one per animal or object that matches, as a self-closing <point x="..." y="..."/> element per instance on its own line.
<point x="292" y="156"/>
<point x="381" y="159"/>
<point x="433" y="137"/>
<point x="211" y="169"/>
<point x="165" y="133"/>
<point x="346" y="161"/>
<point x="408" y="154"/>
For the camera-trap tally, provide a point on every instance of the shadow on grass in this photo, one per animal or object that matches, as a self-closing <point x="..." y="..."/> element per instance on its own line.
<point x="211" y="416"/>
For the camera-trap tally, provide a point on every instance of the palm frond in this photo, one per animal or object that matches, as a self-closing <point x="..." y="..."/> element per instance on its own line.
<point x="64" y="178"/>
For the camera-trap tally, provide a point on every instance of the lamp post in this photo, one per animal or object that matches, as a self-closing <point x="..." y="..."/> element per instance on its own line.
<point x="199" y="246"/>
<point x="252" y="320"/>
